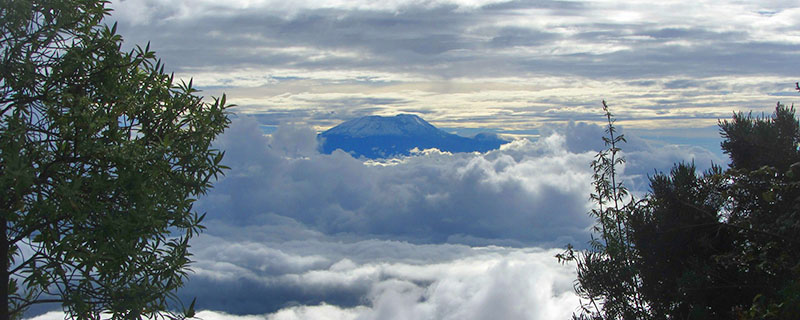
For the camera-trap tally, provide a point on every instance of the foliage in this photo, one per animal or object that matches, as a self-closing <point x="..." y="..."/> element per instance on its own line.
<point x="721" y="244"/>
<point x="101" y="157"/>
<point x="755" y="142"/>
<point x="677" y="236"/>
<point x="607" y="276"/>
<point x="762" y="212"/>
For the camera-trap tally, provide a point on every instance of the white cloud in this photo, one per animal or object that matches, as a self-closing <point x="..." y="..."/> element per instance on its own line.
<point x="497" y="64"/>
<point x="525" y="193"/>
<point x="528" y="192"/>
<point x="476" y="283"/>
<point x="484" y="283"/>
<point x="142" y="11"/>
<point x="293" y="234"/>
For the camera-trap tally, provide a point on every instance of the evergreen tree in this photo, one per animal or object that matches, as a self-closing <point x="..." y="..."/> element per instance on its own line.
<point x="721" y="244"/>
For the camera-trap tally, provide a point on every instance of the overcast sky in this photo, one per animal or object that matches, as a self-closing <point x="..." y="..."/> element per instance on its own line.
<point x="512" y="65"/>
<point x="295" y="234"/>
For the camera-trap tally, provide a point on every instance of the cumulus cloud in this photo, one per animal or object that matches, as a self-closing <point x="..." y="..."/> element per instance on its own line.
<point x="525" y="193"/>
<point x="481" y="283"/>
<point x="293" y="229"/>
<point x="295" y="234"/>
<point x="643" y="157"/>
<point x="377" y="278"/>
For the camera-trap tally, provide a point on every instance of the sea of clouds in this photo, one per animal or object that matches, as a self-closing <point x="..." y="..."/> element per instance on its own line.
<point x="295" y="234"/>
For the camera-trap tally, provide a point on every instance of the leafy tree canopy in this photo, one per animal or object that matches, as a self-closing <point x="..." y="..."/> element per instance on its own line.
<point x="720" y="244"/>
<point x="101" y="157"/>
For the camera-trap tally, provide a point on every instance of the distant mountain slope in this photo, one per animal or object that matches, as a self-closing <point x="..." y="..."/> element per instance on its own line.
<point x="382" y="137"/>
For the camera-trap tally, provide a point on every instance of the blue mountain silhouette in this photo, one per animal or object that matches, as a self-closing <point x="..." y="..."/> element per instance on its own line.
<point x="376" y="137"/>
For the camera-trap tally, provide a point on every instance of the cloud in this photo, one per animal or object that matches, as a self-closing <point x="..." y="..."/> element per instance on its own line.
<point x="479" y="283"/>
<point x="644" y="157"/>
<point x="294" y="234"/>
<point x="526" y="193"/>
<point x="392" y="280"/>
<point x="498" y="64"/>
<point x="463" y="38"/>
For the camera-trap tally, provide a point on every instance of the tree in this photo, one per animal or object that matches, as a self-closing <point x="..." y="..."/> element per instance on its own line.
<point x="608" y="277"/>
<point x="101" y="157"/>
<point x="763" y="211"/>
<point x="678" y="235"/>
<point x="721" y="244"/>
<point x="755" y="142"/>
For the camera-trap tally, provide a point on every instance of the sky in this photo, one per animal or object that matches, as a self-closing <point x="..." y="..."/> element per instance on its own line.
<point x="295" y="234"/>
<point x="502" y="65"/>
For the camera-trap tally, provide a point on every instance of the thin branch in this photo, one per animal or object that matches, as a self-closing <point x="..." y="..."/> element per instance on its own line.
<point x="30" y="303"/>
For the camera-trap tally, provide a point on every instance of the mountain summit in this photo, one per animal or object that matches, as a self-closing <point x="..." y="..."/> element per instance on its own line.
<point x="383" y="137"/>
<point x="399" y="125"/>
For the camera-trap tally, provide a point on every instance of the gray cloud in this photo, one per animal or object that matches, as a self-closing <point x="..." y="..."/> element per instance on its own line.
<point x="526" y="193"/>
<point x="293" y="233"/>
<point x="448" y="41"/>
<point x="517" y="36"/>
<point x="318" y="63"/>
<point x="479" y="283"/>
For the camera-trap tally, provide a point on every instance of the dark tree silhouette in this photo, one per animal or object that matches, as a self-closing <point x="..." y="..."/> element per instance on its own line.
<point x="722" y="244"/>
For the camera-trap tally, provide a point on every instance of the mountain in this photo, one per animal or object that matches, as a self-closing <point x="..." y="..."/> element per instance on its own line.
<point x="382" y="137"/>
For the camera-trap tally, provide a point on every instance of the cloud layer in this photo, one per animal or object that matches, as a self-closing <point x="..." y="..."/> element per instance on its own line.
<point x="525" y="193"/>
<point x="510" y="65"/>
<point x="379" y="279"/>
<point x="295" y="234"/>
<point x="482" y="283"/>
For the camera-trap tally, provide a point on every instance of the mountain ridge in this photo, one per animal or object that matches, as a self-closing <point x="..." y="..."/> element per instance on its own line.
<point x="376" y="137"/>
